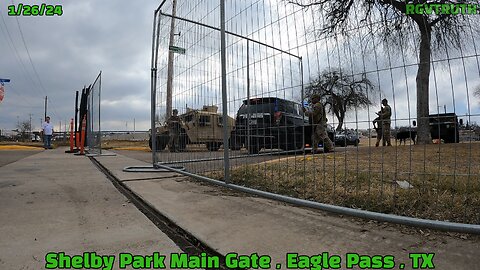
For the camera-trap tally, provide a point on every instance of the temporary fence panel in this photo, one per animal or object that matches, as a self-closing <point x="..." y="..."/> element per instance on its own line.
<point x="277" y="58"/>
<point x="94" y="133"/>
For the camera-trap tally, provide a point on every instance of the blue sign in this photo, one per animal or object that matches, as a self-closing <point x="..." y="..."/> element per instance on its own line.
<point x="2" y="81"/>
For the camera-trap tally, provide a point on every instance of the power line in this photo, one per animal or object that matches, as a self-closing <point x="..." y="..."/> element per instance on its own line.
<point x="16" y="53"/>
<point x="30" y="103"/>
<point x="31" y="62"/>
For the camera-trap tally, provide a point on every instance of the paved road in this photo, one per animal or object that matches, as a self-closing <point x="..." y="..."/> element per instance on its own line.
<point x="56" y="202"/>
<point x="203" y="161"/>
<point x="10" y="156"/>
<point x="197" y="159"/>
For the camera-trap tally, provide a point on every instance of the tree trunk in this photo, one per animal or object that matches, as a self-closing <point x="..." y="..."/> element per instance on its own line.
<point x="423" y="79"/>
<point x="341" y="118"/>
<point x="339" y="127"/>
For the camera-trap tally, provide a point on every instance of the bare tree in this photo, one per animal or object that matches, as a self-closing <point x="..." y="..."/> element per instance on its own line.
<point x="342" y="92"/>
<point x="477" y="92"/>
<point x="24" y="129"/>
<point x="397" y="26"/>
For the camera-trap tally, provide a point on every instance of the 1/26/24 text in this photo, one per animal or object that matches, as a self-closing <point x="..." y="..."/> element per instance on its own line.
<point x="35" y="10"/>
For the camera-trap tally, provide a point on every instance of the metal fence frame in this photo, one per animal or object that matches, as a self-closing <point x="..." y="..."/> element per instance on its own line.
<point x="162" y="166"/>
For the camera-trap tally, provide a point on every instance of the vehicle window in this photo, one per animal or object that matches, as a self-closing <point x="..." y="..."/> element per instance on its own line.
<point x="188" y="118"/>
<point x="220" y="121"/>
<point x="298" y="109"/>
<point x="204" y="120"/>
<point x="290" y="107"/>
<point x="256" y="107"/>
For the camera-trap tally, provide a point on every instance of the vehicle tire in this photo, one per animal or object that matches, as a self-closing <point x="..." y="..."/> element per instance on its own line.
<point x="234" y="143"/>
<point x="162" y="141"/>
<point x="297" y="144"/>
<point x="341" y="143"/>
<point x="357" y="142"/>
<point x="254" y="147"/>
<point x="213" y="146"/>
<point x="182" y="142"/>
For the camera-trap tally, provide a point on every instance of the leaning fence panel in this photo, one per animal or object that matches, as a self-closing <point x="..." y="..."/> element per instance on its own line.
<point x="94" y="132"/>
<point x="372" y="88"/>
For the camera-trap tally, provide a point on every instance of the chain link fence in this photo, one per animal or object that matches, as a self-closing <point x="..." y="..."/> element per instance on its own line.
<point x="277" y="57"/>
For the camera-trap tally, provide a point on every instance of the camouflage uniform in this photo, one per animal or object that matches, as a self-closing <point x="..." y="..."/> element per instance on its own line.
<point x="319" y="133"/>
<point x="173" y="124"/>
<point x="385" y="115"/>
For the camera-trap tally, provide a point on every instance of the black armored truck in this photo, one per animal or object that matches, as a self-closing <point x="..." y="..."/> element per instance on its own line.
<point x="271" y="123"/>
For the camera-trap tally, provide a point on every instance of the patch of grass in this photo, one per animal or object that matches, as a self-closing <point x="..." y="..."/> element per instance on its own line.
<point x="445" y="179"/>
<point x="20" y="147"/>
<point x="110" y="144"/>
<point x="32" y="144"/>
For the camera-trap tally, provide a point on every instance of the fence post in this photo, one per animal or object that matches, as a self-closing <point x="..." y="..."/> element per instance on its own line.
<point x="71" y="135"/>
<point x="226" y="159"/>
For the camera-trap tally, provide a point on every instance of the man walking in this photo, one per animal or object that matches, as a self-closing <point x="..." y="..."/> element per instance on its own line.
<point x="385" y="120"/>
<point x="319" y="122"/>
<point x="47" y="129"/>
<point x="173" y="124"/>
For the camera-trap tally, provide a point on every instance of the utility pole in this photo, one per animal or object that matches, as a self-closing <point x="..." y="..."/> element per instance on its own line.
<point x="65" y="131"/>
<point x="30" y="124"/>
<point x="134" y="128"/>
<point x="45" y="116"/>
<point x="170" y="60"/>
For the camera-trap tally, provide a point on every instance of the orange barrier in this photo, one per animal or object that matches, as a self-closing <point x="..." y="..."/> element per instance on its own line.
<point x="77" y="140"/>
<point x="82" y="139"/>
<point x="71" y="135"/>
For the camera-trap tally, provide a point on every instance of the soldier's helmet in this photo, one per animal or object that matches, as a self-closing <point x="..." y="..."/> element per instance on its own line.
<point x="175" y="111"/>
<point x="384" y="100"/>
<point x="314" y="96"/>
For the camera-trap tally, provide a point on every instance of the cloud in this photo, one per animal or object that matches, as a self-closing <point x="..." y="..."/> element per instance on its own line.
<point x="114" y="37"/>
<point x="69" y="51"/>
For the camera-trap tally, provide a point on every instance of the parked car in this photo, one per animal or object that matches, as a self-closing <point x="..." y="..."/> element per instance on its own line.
<point x="345" y="138"/>
<point x="35" y="138"/>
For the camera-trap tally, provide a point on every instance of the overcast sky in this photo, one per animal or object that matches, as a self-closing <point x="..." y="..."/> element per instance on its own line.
<point x="67" y="52"/>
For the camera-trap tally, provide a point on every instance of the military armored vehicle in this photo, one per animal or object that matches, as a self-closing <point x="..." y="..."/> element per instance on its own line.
<point x="204" y="126"/>
<point x="271" y="123"/>
<point x="444" y="126"/>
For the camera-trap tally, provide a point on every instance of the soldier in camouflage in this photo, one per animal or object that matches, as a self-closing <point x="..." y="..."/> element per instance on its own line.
<point x="174" y="123"/>
<point x="319" y="122"/>
<point x="384" y="118"/>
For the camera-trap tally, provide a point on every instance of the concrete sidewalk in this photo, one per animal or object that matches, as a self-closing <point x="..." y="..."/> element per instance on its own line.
<point x="57" y="202"/>
<point x="52" y="201"/>
<point x="234" y="222"/>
